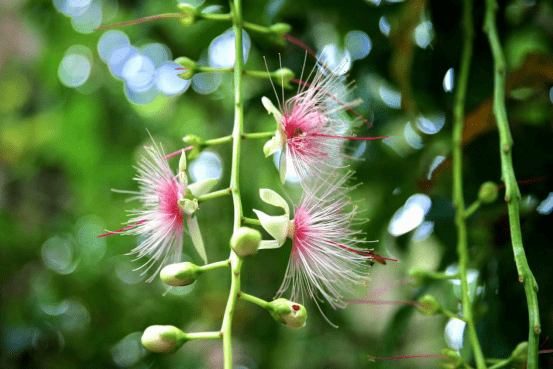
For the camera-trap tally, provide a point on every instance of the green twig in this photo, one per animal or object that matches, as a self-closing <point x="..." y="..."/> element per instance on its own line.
<point x="458" y="198"/>
<point x="471" y="209"/>
<point x="254" y="300"/>
<point x="512" y="192"/>
<point x="215" y="194"/>
<point x="236" y="262"/>
<point x="204" y="336"/>
<point x="216" y="265"/>
<point x="244" y="136"/>
<point x="251" y="221"/>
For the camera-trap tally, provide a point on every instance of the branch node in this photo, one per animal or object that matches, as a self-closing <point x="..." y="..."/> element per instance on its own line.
<point x="521" y="278"/>
<point x="537" y="329"/>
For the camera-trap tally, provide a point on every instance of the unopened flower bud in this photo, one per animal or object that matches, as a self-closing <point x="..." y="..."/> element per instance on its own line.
<point x="189" y="66"/>
<point x="193" y="140"/>
<point x="429" y="305"/>
<point x="419" y="275"/>
<point x="520" y="353"/>
<point x="245" y="241"/>
<point x="188" y="206"/>
<point x="288" y="313"/>
<point x="453" y="356"/>
<point x="180" y="274"/>
<point x="163" y="339"/>
<point x="190" y="11"/>
<point x="280" y="29"/>
<point x="283" y="76"/>
<point x="488" y="192"/>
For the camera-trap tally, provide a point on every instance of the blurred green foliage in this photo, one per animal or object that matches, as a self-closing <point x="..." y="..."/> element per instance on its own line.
<point x="71" y="300"/>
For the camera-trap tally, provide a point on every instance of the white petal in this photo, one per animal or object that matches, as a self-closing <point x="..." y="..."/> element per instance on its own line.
<point x="268" y="245"/>
<point x="276" y="226"/>
<point x="268" y="104"/>
<point x="197" y="241"/>
<point x="202" y="187"/>
<point x="272" y="146"/>
<point x="282" y="166"/>
<point x="273" y="198"/>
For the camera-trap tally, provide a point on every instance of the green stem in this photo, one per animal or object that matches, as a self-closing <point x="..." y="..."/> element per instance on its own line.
<point x="260" y="135"/>
<point x="502" y="363"/>
<point x="256" y="28"/>
<point x="215" y="17"/>
<point x="458" y="197"/>
<point x="254" y="300"/>
<point x="471" y="209"/>
<point x="215" y="194"/>
<point x="219" y="264"/>
<point x="449" y="314"/>
<point x="236" y="262"/>
<point x="204" y="69"/>
<point x="251" y="221"/>
<point x="244" y="136"/>
<point x="204" y="336"/>
<point x="512" y="192"/>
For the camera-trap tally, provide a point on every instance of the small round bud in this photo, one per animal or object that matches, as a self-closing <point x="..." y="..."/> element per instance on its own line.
<point x="280" y="29"/>
<point x="189" y="66"/>
<point x="520" y="353"/>
<point x="163" y="339"/>
<point x="419" y="275"/>
<point x="288" y="313"/>
<point x="180" y="274"/>
<point x="193" y="140"/>
<point x="429" y="305"/>
<point x="245" y="241"/>
<point x="283" y="76"/>
<point x="488" y="192"/>
<point x="188" y="206"/>
<point x="453" y="357"/>
<point x="191" y="13"/>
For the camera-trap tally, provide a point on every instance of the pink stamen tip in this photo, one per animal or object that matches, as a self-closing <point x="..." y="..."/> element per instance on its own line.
<point x="143" y="20"/>
<point x="351" y="138"/>
<point x="307" y="84"/>
<point x="297" y="42"/>
<point x="410" y="357"/>
<point x="361" y="252"/>
<point x="178" y="152"/>
<point x="122" y="229"/>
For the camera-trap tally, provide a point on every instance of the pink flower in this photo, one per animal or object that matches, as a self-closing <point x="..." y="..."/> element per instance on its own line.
<point x="166" y="203"/>
<point x="311" y="128"/>
<point x="325" y="261"/>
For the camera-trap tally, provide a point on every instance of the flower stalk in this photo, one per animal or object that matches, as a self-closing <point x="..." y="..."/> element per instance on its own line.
<point x="236" y="262"/>
<point x="512" y="192"/>
<point x="458" y="197"/>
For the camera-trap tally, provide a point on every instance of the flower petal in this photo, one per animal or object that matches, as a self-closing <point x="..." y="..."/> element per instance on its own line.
<point x="276" y="226"/>
<point x="272" y="244"/>
<point x="197" y="241"/>
<point x="202" y="187"/>
<point x="268" y="104"/>
<point x="273" y="145"/>
<point x="273" y="198"/>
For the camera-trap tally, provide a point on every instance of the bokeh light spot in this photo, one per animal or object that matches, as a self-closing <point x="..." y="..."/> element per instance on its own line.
<point x="110" y="41"/>
<point x="222" y="49"/>
<point x="207" y="165"/>
<point x="167" y="80"/>
<point x="359" y="44"/>
<point x="75" y="66"/>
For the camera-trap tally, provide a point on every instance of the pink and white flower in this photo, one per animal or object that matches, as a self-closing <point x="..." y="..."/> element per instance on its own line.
<point x="326" y="260"/>
<point x="311" y="126"/>
<point x="167" y="200"/>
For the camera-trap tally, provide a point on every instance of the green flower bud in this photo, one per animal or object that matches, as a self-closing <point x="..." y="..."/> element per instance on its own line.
<point x="453" y="357"/>
<point x="190" y="11"/>
<point x="288" y="313"/>
<point x="188" y="206"/>
<point x="245" y="241"/>
<point x="488" y="192"/>
<point x="163" y="339"/>
<point x="429" y="305"/>
<point x="189" y="66"/>
<point x="520" y="353"/>
<point x="283" y="76"/>
<point x="419" y="275"/>
<point x="193" y="140"/>
<point x="280" y="29"/>
<point x="180" y="274"/>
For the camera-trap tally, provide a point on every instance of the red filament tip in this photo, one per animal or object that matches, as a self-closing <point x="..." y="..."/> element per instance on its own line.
<point x="122" y="229"/>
